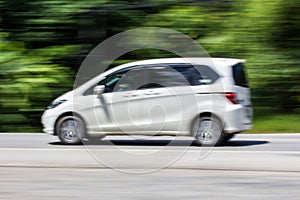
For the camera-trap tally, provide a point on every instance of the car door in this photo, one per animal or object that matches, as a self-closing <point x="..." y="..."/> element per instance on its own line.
<point x="126" y="102"/>
<point x="95" y="109"/>
<point x="116" y="110"/>
<point x="166" y="101"/>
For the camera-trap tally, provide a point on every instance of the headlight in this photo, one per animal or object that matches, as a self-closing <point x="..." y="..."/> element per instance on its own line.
<point x="56" y="103"/>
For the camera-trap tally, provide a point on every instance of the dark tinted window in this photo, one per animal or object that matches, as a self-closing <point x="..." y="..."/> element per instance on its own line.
<point x="239" y="75"/>
<point x="164" y="76"/>
<point x="170" y="75"/>
<point x="133" y="79"/>
<point x="198" y="74"/>
<point x="156" y="76"/>
<point x="109" y="82"/>
<point x="191" y="75"/>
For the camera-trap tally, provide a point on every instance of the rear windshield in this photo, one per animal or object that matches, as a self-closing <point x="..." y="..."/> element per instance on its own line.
<point x="239" y="75"/>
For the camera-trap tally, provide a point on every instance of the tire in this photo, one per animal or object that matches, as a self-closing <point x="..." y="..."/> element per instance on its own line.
<point x="70" y="130"/>
<point x="208" y="131"/>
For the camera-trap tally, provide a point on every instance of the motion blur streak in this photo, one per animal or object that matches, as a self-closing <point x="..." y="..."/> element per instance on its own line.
<point x="43" y="42"/>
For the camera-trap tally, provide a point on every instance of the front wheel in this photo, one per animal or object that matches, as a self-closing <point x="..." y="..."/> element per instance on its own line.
<point x="208" y="131"/>
<point x="70" y="130"/>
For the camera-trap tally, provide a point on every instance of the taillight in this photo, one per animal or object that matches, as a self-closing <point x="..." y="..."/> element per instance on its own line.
<point x="231" y="96"/>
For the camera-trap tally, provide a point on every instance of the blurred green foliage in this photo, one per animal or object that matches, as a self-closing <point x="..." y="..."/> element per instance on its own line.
<point x="43" y="42"/>
<point x="29" y="79"/>
<point x="266" y="34"/>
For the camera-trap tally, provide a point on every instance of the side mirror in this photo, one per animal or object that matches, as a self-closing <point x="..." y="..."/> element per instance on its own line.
<point x="99" y="89"/>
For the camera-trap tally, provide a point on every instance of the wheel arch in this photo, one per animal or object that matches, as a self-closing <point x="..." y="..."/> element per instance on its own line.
<point x="206" y="114"/>
<point x="69" y="113"/>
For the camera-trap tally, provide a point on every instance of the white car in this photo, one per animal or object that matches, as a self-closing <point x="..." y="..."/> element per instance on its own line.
<point x="207" y="98"/>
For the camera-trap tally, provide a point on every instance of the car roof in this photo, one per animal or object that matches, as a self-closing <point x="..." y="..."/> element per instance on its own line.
<point x="219" y="62"/>
<point x="212" y="62"/>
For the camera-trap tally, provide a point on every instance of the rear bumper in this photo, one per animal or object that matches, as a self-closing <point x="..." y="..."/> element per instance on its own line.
<point x="238" y="119"/>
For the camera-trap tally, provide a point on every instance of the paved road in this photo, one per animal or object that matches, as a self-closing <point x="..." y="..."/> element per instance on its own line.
<point x="37" y="166"/>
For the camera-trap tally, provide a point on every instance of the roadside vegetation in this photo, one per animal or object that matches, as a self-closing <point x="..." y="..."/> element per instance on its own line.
<point x="43" y="42"/>
<point x="268" y="120"/>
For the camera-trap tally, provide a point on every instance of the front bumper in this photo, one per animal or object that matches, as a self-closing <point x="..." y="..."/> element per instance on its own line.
<point x="48" y="121"/>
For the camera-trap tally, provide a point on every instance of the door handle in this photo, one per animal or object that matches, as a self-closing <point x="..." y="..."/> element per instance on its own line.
<point x="152" y="92"/>
<point x="131" y="94"/>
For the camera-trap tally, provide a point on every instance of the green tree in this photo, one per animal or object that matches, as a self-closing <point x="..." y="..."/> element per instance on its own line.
<point x="29" y="81"/>
<point x="264" y="33"/>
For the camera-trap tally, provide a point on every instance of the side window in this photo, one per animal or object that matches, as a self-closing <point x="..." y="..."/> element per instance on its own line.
<point x="109" y="83"/>
<point x="156" y="76"/>
<point x="208" y="75"/>
<point x="125" y="80"/>
<point x="131" y="80"/>
<point x="198" y="74"/>
<point x="162" y="76"/>
<point x="171" y="75"/>
<point x="191" y="75"/>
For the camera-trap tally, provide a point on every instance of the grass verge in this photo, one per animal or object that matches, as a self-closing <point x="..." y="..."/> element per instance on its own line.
<point x="268" y="121"/>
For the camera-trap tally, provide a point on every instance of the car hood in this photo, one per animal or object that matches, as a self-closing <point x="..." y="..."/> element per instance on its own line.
<point x="66" y="96"/>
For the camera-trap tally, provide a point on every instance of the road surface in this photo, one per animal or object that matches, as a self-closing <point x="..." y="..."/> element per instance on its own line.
<point x="38" y="166"/>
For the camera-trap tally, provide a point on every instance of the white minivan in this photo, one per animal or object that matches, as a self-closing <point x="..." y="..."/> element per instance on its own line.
<point x="206" y="98"/>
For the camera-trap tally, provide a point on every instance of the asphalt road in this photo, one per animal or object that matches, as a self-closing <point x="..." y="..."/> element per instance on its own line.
<point x="37" y="166"/>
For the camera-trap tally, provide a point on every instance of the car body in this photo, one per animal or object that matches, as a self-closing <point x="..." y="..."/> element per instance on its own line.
<point x="207" y="98"/>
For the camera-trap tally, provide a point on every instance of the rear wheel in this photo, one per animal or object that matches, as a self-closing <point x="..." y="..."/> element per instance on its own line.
<point x="208" y="131"/>
<point x="70" y="130"/>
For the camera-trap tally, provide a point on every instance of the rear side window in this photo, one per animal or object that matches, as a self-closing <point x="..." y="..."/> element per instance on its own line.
<point x="170" y="75"/>
<point x="239" y="75"/>
<point x="163" y="76"/>
<point x="198" y="74"/>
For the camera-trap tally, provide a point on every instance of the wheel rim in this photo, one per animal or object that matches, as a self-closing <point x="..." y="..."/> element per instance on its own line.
<point x="208" y="132"/>
<point x="69" y="130"/>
